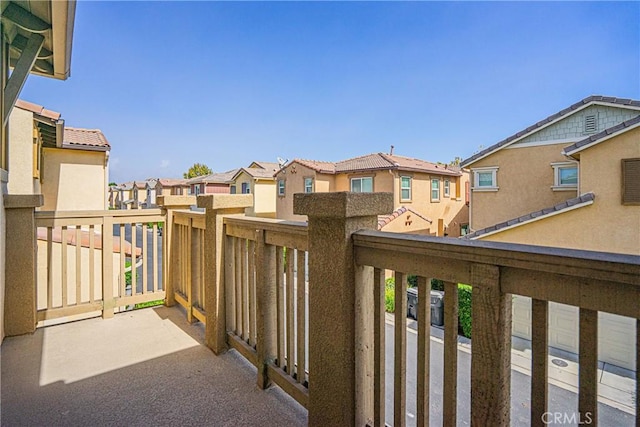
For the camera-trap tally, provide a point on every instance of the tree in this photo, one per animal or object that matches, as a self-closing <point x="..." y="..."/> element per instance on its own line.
<point x="198" y="169"/>
<point x="456" y="161"/>
<point x="113" y="184"/>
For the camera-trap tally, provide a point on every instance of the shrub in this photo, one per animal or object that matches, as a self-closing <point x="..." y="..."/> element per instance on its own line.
<point x="437" y="285"/>
<point x="464" y="309"/>
<point x="389" y="295"/>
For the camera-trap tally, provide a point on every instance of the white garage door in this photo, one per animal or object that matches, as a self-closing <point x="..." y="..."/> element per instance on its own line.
<point x="616" y="342"/>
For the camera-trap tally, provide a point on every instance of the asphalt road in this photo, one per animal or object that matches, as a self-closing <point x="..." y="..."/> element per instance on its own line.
<point x="149" y="255"/>
<point x="560" y="400"/>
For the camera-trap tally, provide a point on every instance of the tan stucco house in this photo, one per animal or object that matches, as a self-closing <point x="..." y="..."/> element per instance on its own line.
<point x="424" y="193"/>
<point x="68" y="166"/>
<point x="257" y="179"/>
<point x="36" y="38"/>
<point x="571" y="180"/>
<point x="215" y="183"/>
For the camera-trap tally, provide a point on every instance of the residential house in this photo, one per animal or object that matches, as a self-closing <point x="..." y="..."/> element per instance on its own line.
<point x="257" y="179"/>
<point x="215" y="183"/>
<point x="68" y="166"/>
<point x="424" y="193"/>
<point x="571" y="180"/>
<point x="46" y="51"/>
<point x="172" y="187"/>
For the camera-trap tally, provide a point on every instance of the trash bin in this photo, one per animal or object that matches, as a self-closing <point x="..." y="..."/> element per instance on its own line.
<point x="437" y="308"/>
<point x="412" y="303"/>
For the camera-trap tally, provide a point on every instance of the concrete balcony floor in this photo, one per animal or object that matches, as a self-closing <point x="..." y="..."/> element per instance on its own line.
<point x="146" y="367"/>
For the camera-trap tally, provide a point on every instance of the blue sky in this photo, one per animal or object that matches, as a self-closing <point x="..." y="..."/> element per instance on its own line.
<point x="226" y="83"/>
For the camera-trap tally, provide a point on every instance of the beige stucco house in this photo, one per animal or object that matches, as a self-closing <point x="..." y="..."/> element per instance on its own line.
<point x="429" y="193"/>
<point x="571" y="180"/>
<point x="35" y="38"/>
<point x="258" y="180"/>
<point x="215" y="183"/>
<point x="68" y="166"/>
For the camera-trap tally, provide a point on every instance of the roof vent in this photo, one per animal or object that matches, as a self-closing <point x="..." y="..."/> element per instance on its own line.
<point x="590" y="123"/>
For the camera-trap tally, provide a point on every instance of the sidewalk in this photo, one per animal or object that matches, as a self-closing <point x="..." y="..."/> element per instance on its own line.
<point x="616" y="386"/>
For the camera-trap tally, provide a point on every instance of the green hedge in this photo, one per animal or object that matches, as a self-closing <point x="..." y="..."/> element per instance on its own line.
<point x="464" y="300"/>
<point x="464" y="309"/>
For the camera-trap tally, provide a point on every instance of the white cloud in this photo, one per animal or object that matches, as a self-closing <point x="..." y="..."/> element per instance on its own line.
<point x="164" y="164"/>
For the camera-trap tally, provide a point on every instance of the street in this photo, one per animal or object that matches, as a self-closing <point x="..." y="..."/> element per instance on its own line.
<point x="560" y="400"/>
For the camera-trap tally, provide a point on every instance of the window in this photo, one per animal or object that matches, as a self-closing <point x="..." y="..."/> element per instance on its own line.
<point x="565" y="176"/>
<point x="281" y="187"/>
<point x="362" y="185"/>
<point x="405" y="188"/>
<point x="447" y="188"/>
<point x="197" y="189"/>
<point x="435" y="190"/>
<point x="485" y="179"/>
<point x="245" y="188"/>
<point x="308" y="185"/>
<point x="631" y="181"/>
<point x="232" y="189"/>
<point x="464" y="229"/>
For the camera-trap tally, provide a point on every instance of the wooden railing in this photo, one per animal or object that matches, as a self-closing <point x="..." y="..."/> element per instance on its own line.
<point x="589" y="280"/>
<point x="267" y="299"/>
<point x="187" y="267"/>
<point x="94" y="262"/>
<point x="323" y="342"/>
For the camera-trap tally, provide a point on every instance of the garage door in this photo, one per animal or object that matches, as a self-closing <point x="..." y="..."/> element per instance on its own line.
<point x="615" y="333"/>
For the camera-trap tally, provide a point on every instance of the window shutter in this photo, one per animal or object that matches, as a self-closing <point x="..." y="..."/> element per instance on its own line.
<point x="631" y="181"/>
<point x="466" y="192"/>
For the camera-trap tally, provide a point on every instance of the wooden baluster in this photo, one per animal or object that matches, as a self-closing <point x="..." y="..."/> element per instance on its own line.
<point x="379" y="343"/>
<point x="145" y="269"/>
<point x="450" y="377"/>
<point x="280" y="291"/>
<point x="49" y="267"/>
<point x="400" y="352"/>
<point x="92" y="261"/>
<point x="539" y="360"/>
<point x="63" y="257"/>
<point x="300" y="315"/>
<point x="290" y="313"/>
<point x="78" y="237"/>
<point x="424" y="348"/>
<point x="588" y="374"/>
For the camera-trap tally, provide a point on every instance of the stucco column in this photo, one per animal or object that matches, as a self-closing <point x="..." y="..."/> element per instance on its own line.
<point x="334" y="287"/>
<point x="216" y="206"/>
<point x="21" y="264"/>
<point x="170" y="204"/>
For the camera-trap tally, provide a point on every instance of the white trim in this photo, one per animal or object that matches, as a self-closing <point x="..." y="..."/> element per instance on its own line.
<point x="545" y="142"/>
<point x="494" y="178"/>
<point x="605" y="104"/>
<point x="509" y="227"/>
<point x="564" y="188"/>
<point x="598" y="141"/>
<point x="557" y="166"/>
<point x="409" y="188"/>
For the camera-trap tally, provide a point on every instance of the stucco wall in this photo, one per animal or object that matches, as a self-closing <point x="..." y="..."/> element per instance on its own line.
<point x="573" y="126"/>
<point x="294" y="183"/>
<point x="264" y="197"/>
<point x="409" y="222"/>
<point x="216" y="189"/>
<point x="74" y="180"/>
<point x="21" y="179"/>
<point x="524" y="179"/>
<point x="606" y="225"/>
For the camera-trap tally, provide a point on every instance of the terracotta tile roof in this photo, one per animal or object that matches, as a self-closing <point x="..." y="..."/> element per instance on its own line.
<point x="56" y="237"/>
<point x="37" y="109"/>
<point x="383" y="220"/>
<point x="268" y="165"/>
<point x="215" y="178"/>
<point x="77" y="137"/>
<point x="379" y="161"/>
<point x="583" y="200"/>
<point x="172" y="182"/>
<point x="318" y="166"/>
<point x="578" y="105"/>
<point x="621" y="127"/>
<point x="258" y="173"/>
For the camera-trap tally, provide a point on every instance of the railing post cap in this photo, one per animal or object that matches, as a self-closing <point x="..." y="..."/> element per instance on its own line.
<point x="342" y="204"/>
<point x="23" y="201"/>
<point x="225" y="201"/>
<point x="175" y="200"/>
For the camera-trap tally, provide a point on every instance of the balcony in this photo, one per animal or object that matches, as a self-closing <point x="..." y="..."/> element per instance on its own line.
<point x="303" y="308"/>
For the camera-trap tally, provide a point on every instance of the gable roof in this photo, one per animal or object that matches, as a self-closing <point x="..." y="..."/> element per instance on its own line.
<point x="602" y="136"/>
<point x="85" y="139"/>
<point x="257" y="173"/>
<point x="580" y="105"/>
<point x="37" y="109"/>
<point x="172" y="182"/>
<point x="383" y="220"/>
<point x="568" y="205"/>
<point x="215" y="178"/>
<point x="379" y="161"/>
<point x="265" y="165"/>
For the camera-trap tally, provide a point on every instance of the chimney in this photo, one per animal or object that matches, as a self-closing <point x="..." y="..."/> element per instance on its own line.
<point x="391" y="152"/>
